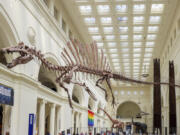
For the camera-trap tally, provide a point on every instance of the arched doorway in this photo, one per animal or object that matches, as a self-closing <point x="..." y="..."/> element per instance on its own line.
<point x="128" y="110"/>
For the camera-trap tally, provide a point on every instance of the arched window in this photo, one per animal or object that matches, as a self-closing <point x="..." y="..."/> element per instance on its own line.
<point x="2" y="59"/>
<point x="128" y="110"/>
<point x="47" y="78"/>
<point x="75" y="99"/>
<point x="49" y="84"/>
<point x="77" y="95"/>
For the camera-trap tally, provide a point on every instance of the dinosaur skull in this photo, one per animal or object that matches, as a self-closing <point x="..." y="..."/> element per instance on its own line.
<point x="24" y="57"/>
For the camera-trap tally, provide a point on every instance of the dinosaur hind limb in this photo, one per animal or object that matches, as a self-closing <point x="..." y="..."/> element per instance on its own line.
<point x="98" y="85"/>
<point x="109" y="85"/>
<point x="87" y="89"/>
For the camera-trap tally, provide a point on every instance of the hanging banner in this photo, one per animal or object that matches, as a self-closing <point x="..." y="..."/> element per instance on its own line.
<point x="31" y="124"/>
<point x="6" y="95"/>
<point x="90" y="118"/>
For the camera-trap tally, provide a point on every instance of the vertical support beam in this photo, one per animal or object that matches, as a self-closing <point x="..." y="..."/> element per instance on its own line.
<point x="172" y="100"/>
<point x="157" y="97"/>
<point x="52" y="119"/>
<point x="42" y="117"/>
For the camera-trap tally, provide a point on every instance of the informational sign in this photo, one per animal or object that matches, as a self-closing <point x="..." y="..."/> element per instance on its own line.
<point x="31" y="124"/>
<point x="6" y="95"/>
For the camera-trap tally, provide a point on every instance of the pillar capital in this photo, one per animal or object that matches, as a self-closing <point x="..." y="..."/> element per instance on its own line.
<point x="42" y="101"/>
<point x="52" y="105"/>
<point x="58" y="107"/>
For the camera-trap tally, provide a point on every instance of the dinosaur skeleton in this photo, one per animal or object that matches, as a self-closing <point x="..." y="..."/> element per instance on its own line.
<point x="115" y="123"/>
<point x="79" y="58"/>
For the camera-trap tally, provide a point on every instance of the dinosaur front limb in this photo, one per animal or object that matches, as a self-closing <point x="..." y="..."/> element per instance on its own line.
<point x="109" y="85"/>
<point x="87" y="89"/>
<point x="69" y="98"/>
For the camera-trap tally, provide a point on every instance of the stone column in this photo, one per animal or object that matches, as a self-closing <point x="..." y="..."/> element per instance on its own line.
<point x="42" y="117"/>
<point x="77" y="122"/>
<point x="52" y="119"/>
<point x="72" y="122"/>
<point x="80" y="123"/>
<point x="57" y="121"/>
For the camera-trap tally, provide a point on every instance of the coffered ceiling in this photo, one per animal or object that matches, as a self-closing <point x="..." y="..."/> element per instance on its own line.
<point x="130" y="32"/>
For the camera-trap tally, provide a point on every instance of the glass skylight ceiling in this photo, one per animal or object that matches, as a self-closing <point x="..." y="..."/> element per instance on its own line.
<point x="127" y="30"/>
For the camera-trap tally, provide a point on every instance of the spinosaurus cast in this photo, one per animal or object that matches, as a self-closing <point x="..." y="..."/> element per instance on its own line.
<point x="78" y="58"/>
<point x="115" y="123"/>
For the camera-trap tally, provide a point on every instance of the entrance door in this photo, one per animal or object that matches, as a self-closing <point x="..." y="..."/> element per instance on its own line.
<point x="1" y="119"/>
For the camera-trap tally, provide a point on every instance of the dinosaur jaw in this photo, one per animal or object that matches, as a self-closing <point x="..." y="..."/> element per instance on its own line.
<point x="22" y="59"/>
